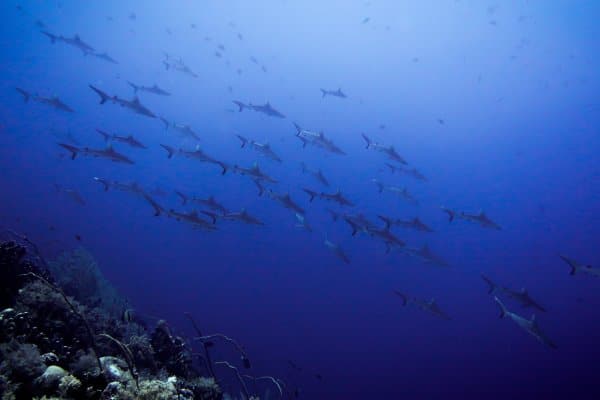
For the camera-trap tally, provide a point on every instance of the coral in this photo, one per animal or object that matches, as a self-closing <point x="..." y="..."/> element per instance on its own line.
<point x="78" y="273"/>
<point x="51" y="376"/>
<point x="171" y="351"/>
<point x="69" y="386"/>
<point x="56" y="343"/>
<point x="22" y="361"/>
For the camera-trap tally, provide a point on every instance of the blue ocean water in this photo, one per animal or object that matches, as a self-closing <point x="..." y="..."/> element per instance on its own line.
<point x="495" y="103"/>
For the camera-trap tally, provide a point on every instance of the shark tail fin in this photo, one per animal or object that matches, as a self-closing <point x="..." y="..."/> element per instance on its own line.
<point x="212" y="215"/>
<point x="380" y="186"/>
<point x="224" y="167"/>
<point x="134" y="86"/>
<point x="386" y="220"/>
<point x="323" y="93"/>
<point x="243" y="141"/>
<point x="402" y="296"/>
<point x="102" y="182"/>
<point x="71" y="149"/>
<point x="503" y="310"/>
<point x="491" y="285"/>
<point x="26" y="95"/>
<point x="368" y="141"/>
<point x="261" y="188"/>
<point x="164" y="121"/>
<point x="169" y="149"/>
<point x="311" y="194"/>
<point x="51" y="36"/>
<point x="105" y="135"/>
<point x="391" y="167"/>
<point x="240" y="105"/>
<point x="103" y="96"/>
<point x="451" y="213"/>
<point x="183" y="197"/>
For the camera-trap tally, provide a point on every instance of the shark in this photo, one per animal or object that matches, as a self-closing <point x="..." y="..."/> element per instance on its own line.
<point x="186" y="131"/>
<point x="53" y="101"/>
<point x="337" y="197"/>
<point x="481" y="218"/>
<point x="317" y="174"/>
<point x="577" y="267"/>
<point x="154" y="89"/>
<point x="412" y="172"/>
<point x="128" y="140"/>
<point x="262" y="148"/>
<point x="71" y="193"/>
<point x="334" y="93"/>
<point x="414" y="223"/>
<point x="266" y="109"/>
<point x="528" y="325"/>
<point x="337" y="250"/>
<point x="174" y="64"/>
<point x="75" y="41"/>
<point x="254" y="172"/>
<point x="401" y="191"/>
<point x="241" y="216"/>
<point x="429" y="306"/>
<point x="196" y="154"/>
<point x="286" y="200"/>
<point x="425" y="254"/>
<point x="358" y="222"/>
<point x="389" y="151"/>
<point x="211" y="203"/>
<point x="520" y="296"/>
<point x="109" y="153"/>
<point x="317" y="139"/>
<point x="132" y="187"/>
<point x="103" y="56"/>
<point x="385" y="234"/>
<point x="302" y="223"/>
<point x="158" y="209"/>
<point x="192" y="218"/>
<point x="132" y="105"/>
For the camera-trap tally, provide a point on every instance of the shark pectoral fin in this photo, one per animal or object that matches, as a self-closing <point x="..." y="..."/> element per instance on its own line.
<point x="503" y="310"/>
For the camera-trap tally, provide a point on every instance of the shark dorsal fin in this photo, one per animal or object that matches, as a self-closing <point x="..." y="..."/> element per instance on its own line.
<point x="76" y="37"/>
<point x="135" y="100"/>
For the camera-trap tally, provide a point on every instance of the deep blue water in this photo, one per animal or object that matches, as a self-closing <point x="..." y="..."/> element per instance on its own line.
<point x="516" y="87"/>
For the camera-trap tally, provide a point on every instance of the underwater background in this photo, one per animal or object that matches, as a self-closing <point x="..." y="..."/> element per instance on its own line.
<point x="495" y="103"/>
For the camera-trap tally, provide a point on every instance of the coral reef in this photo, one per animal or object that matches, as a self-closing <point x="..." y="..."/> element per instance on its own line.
<point x="62" y="337"/>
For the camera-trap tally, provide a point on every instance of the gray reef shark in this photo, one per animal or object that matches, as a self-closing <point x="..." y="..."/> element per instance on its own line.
<point x="576" y="267"/>
<point x="154" y="89"/>
<point x="520" y="296"/>
<point x="317" y="174"/>
<point x="53" y="101"/>
<point x="262" y="148"/>
<point x="429" y="306"/>
<point x="109" y="153"/>
<point x="128" y="140"/>
<point x="528" y="325"/>
<point x="481" y="218"/>
<point x="75" y="41"/>
<point x="133" y="105"/>
<point x="390" y="151"/>
<point x="266" y="109"/>
<point x="334" y="93"/>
